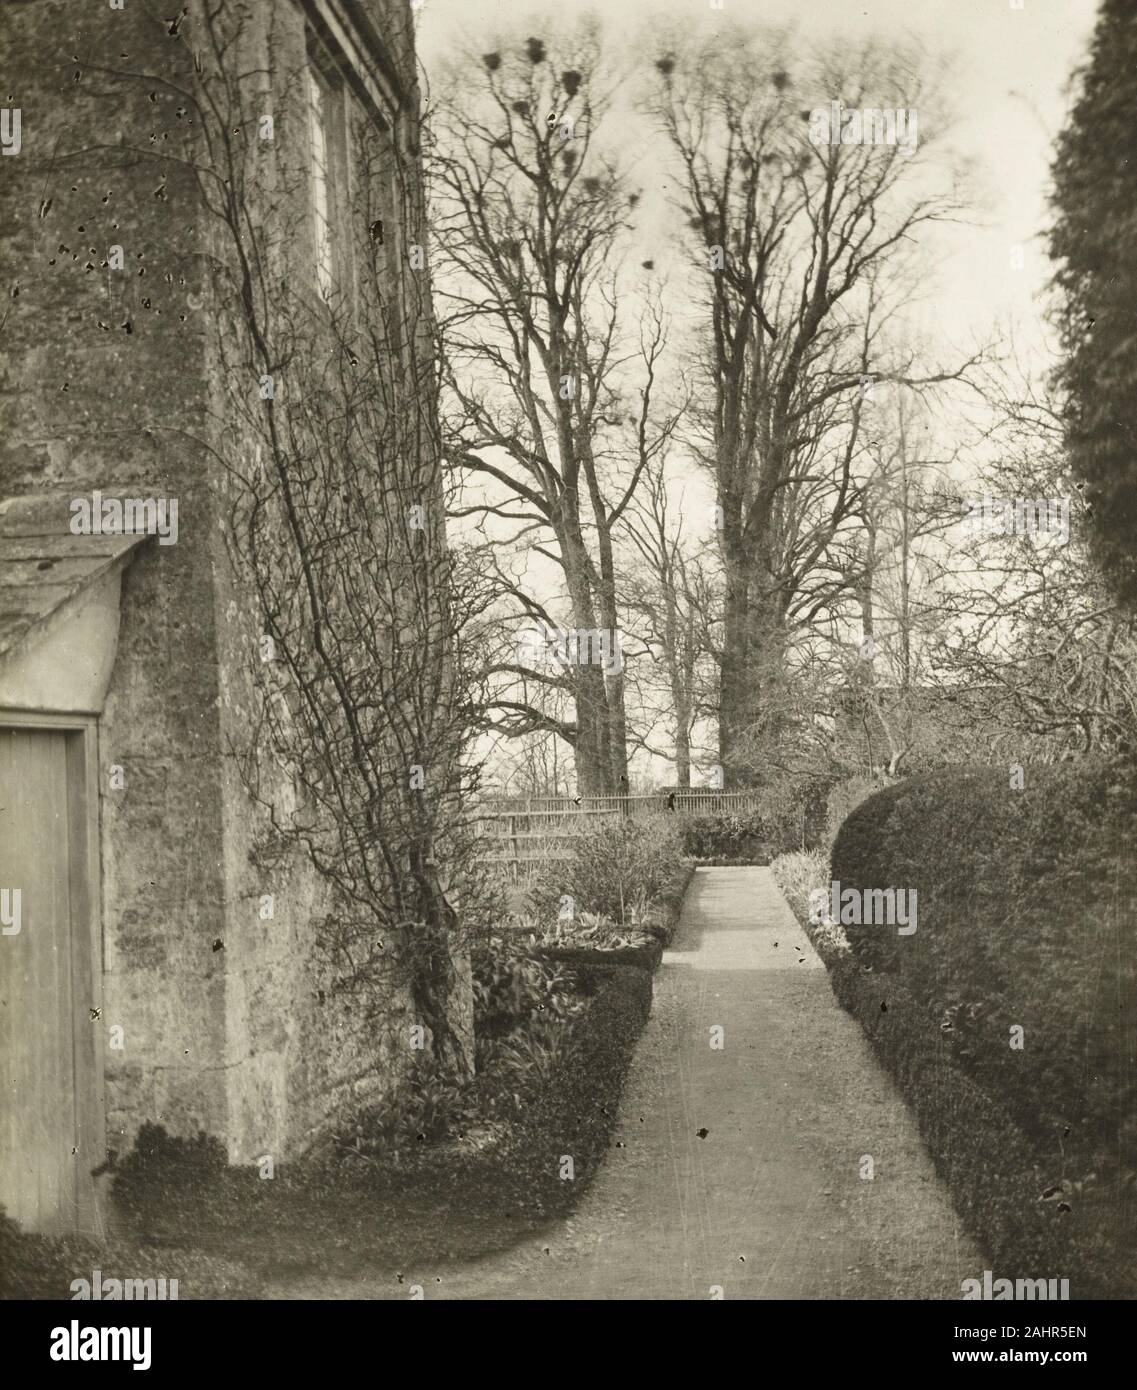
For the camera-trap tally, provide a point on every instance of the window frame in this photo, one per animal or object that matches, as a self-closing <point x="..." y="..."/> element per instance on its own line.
<point x="321" y="179"/>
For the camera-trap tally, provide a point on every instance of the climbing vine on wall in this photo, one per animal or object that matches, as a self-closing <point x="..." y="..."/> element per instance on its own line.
<point x="329" y="437"/>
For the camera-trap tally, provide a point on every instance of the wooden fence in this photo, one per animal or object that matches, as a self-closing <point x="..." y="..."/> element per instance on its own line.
<point x="521" y="831"/>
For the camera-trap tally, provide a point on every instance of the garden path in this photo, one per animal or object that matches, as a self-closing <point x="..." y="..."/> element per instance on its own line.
<point x="742" y="1169"/>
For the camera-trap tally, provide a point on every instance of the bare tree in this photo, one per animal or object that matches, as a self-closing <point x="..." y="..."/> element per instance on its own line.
<point x="1027" y="616"/>
<point x="551" y="398"/>
<point x="890" y="564"/>
<point x="674" y="596"/>
<point x="807" y="249"/>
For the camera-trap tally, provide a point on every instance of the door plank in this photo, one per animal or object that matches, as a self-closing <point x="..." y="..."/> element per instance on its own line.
<point x="39" y="1166"/>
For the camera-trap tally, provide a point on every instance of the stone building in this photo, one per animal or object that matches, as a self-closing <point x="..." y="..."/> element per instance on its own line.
<point x="145" y="981"/>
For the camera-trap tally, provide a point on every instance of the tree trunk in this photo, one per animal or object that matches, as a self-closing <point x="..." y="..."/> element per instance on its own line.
<point x="682" y="743"/>
<point x="594" y="759"/>
<point x="593" y="774"/>
<point x="752" y="678"/>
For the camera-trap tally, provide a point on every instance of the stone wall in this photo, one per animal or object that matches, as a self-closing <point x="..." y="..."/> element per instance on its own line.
<point x="104" y="388"/>
<point x="231" y="1020"/>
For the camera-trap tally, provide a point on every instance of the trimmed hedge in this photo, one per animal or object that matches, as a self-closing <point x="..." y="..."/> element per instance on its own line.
<point x="994" y="1172"/>
<point x="577" y="1111"/>
<point x="1024" y="920"/>
<point x="646" y="957"/>
<point x="736" y="839"/>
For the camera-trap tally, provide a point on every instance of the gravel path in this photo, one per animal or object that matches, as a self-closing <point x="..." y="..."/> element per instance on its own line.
<point x="740" y="1170"/>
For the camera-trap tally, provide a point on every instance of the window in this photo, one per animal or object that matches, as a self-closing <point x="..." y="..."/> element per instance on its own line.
<point x="323" y="182"/>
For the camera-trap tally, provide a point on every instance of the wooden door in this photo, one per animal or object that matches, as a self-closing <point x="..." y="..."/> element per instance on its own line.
<point x="50" y="1138"/>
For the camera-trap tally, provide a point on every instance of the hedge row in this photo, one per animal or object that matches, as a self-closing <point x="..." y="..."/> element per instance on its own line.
<point x="996" y="1175"/>
<point x="747" y="838"/>
<point x="1024" y="922"/>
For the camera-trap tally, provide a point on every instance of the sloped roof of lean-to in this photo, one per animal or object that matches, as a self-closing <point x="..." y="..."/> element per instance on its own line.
<point x="44" y="566"/>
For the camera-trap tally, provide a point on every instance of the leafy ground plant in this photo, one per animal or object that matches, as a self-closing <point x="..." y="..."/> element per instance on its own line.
<point x="798" y="875"/>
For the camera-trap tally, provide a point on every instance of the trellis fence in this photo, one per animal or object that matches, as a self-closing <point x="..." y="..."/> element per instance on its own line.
<point x="522" y="832"/>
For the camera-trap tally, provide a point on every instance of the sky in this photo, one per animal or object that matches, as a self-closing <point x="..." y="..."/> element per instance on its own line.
<point x="1010" y="95"/>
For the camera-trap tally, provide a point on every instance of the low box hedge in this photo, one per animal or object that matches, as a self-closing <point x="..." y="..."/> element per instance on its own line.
<point x="646" y="957"/>
<point x="575" y="1114"/>
<point x="747" y="838"/>
<point x="660" y="923"/>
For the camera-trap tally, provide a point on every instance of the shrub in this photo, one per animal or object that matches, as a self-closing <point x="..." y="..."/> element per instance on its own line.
<point x="745" y="837"/>
<point x="1024" y="906"/>
<point x="486" y="895"/>
<point x="163" y="1170"/>
<point x="511" y="1069"/>
<point x="511" y="988"/>
<point x="36" y="1266"/>
<point x="427" y="1106"/>
<point x="730" y="836"/>
<point x="614" y="868"/>
<point x="160" y="1154"/>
